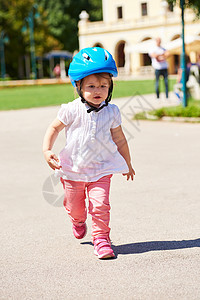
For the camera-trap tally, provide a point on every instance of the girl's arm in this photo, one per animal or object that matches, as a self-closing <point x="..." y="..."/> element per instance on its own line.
<point x="49" y="139"/>
<point x="122" y="146"/>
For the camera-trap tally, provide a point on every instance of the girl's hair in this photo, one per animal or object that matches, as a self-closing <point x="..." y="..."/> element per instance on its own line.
<point x="99" y="76"/>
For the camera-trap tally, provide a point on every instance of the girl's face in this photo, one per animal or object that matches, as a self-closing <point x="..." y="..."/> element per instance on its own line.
<point x="95" y="88"/>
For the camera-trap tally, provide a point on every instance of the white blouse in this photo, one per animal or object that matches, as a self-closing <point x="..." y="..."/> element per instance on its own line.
<point x="90" y="152"/>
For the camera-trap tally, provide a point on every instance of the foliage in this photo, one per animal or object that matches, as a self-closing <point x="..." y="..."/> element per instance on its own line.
<point x="56" y="27"/>
<point x="194" y="4"/>
<point x="179" y="111"/>
<point x="191" y="111"/>
<point x="63" y="17"/>
<point x="12" y="19"/>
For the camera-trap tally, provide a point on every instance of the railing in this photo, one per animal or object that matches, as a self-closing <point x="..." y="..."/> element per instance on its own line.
<point x="100" y="26"/>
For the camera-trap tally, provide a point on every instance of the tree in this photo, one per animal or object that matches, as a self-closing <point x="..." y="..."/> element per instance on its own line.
<point x="194" y="4"/>
<point x="12" y="19"/>
<point x="56" y="27"/>
<point x="63" y="17"/>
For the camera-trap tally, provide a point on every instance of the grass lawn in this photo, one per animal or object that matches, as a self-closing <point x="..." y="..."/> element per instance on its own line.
<point x="37" y="96"/>
<point x="191" y="111"/>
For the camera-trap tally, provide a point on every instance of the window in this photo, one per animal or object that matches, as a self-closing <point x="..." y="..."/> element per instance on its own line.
<point x="119" y="12"/>
<point x="144" y="9"/>
<point x="121" y="55"/>
<point x="146" y="60"/>
<point x="171" y="7"/>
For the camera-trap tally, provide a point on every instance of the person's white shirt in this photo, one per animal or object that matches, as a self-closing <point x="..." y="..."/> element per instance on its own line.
<point x="90" y="152"/>
<point x="158" y="65"/>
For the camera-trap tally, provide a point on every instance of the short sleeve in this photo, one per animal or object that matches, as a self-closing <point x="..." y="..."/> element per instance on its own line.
<point x="64" y="114"/>
<point x="152" y="50"/>
<point x="117" y="117"/>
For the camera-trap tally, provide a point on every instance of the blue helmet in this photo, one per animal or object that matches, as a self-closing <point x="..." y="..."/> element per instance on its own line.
<point x="90" y="61"/>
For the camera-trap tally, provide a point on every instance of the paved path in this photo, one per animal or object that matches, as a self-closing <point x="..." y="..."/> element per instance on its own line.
<point x="155" y="220"/>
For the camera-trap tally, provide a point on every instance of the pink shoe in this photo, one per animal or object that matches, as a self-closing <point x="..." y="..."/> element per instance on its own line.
<point x="102" y="248"/>
<point x="79" y="231"/>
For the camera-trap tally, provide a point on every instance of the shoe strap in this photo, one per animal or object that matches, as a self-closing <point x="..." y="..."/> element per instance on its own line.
<point x="100" y="243"/>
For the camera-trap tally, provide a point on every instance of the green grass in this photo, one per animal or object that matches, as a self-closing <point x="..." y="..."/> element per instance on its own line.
<point x="130" y="88"/>
<point x="35" y="96"/>
<point x="191" y="111"/>
<point x="49" y="95"/>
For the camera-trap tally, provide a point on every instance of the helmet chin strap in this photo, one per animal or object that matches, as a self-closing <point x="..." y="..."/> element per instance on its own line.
<point x="93" y="108"/>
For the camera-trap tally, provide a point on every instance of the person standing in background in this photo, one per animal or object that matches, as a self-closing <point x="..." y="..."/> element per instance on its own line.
<point x="158" y="56"/>
<point x="178" y="87"/>
<point x="56" y="71"/>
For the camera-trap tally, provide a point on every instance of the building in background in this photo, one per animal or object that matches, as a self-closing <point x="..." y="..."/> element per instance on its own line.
<point x="128" y="30"/>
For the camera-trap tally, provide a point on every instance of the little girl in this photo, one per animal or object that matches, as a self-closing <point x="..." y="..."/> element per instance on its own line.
<point x="95" y="149"/>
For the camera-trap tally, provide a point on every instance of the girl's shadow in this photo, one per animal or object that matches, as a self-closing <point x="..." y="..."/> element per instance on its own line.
<point x="135" y="248"/>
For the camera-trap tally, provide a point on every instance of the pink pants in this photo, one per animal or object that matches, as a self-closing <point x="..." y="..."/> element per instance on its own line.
<point x="99" y="207"/>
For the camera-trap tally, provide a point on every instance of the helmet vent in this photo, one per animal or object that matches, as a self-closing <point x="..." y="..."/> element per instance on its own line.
<point x="86" y="56"/>
<point x="106" y="55"/>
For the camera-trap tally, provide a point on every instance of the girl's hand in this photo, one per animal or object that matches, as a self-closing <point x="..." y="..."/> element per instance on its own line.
<point x="52" y="159"/>
<point x="130" y="174"/>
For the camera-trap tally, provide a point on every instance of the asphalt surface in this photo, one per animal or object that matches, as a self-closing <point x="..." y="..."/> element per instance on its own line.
<point x="155" y="220"/>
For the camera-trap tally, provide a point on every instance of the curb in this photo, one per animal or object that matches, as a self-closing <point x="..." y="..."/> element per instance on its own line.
<point x="170" y="119"/>
<point x="181" y="119"/>
<point x="48" y="81"/>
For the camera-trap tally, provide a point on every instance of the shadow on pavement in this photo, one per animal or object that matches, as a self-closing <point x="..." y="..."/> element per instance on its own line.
<point x="135" y="248"/>
<point x="143" y="247"/>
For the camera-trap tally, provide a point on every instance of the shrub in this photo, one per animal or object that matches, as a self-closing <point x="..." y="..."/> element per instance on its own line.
<point x="191" y="111"/>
